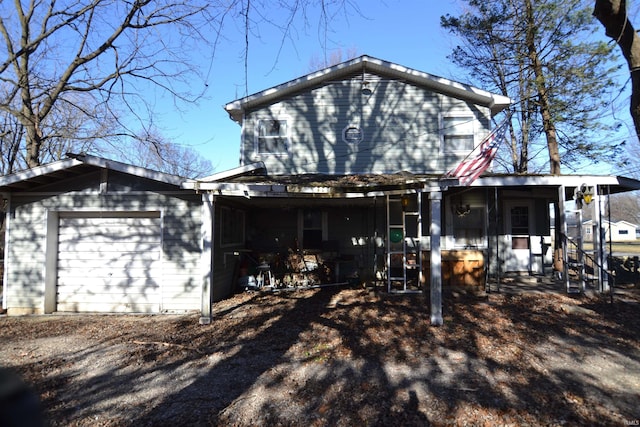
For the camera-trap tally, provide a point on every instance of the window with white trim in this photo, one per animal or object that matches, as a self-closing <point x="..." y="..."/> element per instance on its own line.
<point x="312" y="228"/>
<point x="272" y="136"/>
<point x="457" y="133"/>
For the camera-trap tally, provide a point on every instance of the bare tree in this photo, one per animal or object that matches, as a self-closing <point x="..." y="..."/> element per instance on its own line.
<point x="66" y="55"/>
<point x="152" y="151"/>
<point x="613" y="16"/>
<point x="332" y="58"/>
<point x="77" y="71"/>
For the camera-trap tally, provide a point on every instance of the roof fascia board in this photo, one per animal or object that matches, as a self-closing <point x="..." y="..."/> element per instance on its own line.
<point x="235" y="172"/>
<point x="286" y="190"/>
<point x="130" y="169"/>
<point x="281" y="190"/>
<point x="38" y="171"/>
<point x="566" y="180"/>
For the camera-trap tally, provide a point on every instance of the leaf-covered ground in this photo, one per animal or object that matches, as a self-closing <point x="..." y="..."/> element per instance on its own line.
<point x="340" y="357"/>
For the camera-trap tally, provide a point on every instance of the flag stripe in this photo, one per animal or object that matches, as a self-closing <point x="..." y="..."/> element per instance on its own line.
<point x="470" y="169"/>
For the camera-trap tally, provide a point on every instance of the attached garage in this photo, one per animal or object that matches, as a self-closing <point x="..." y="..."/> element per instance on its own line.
<point x="109" y="263"/>
<point x="88" y="235"/>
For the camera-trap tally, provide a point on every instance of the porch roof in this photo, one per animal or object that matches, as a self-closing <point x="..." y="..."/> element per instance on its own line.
<point x="369" y="185"/>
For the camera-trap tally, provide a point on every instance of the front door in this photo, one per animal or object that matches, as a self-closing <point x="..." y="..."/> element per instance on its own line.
<point x="518" y="227"/>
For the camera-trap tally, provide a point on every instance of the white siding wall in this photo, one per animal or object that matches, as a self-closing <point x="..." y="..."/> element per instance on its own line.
<point x="400" y="125"/>
<point x="26" y="260"/>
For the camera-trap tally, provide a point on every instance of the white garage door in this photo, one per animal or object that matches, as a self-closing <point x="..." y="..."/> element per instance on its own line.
<point x="109" y="264"/>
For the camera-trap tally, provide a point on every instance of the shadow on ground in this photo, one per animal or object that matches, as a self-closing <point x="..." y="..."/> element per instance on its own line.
<point x="348" y="357"/>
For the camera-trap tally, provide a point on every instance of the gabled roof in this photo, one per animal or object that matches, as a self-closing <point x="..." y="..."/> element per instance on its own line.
<point x="75" y="165"/>
<point x="369" y="64"/>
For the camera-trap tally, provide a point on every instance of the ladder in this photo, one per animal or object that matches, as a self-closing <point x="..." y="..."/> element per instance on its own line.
<point x="404" y="228"/>
<point x="574" y="259"/>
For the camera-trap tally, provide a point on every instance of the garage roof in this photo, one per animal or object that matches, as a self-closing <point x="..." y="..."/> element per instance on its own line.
<point x="75" y="165"/>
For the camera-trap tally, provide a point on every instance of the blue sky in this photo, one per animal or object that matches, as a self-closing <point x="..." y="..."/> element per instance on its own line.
<point x="406" y="32"/>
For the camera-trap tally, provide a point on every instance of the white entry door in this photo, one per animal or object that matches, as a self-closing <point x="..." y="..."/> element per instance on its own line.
<point x="518" y="216"/>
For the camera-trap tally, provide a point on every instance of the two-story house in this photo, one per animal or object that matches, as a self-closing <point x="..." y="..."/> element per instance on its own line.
<point x="345" y="169"/>
<point x="342" y="179"/>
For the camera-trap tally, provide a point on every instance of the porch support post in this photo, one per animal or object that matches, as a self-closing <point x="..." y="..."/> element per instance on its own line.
<point x="435" y="205"/>
<point x="206" y="258"/>
<point x="7" y="260"/>
<point x="562" y="235"/>
<point x="599" y="242"/>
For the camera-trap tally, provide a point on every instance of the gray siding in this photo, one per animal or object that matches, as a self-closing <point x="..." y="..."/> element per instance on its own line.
<point x="400" y="125"/>
<point x="29" y="230"/>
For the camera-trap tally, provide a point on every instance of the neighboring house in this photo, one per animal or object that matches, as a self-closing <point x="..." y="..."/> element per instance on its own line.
<point x="620" y="231"/>
<point x="341" y="180"/>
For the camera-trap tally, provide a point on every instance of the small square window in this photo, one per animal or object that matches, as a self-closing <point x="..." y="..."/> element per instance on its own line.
<point x="272" y="136"/>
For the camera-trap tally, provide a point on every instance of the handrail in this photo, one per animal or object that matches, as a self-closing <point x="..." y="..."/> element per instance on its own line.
<point x="610" y="274"/>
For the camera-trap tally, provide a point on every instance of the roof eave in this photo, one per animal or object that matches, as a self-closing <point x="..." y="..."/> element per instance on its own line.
<point x="365" y="63"/>
<point x="128" y="169"/>
<point x="38" y="171"/>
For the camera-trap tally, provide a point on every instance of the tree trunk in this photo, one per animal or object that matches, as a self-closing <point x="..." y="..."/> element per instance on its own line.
<point x="34" y="146"/>
<point x="612" y="14"/>
<point x="543" y="98"/>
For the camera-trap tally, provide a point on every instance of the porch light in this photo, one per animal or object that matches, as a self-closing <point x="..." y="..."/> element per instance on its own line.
<point x="404" y="200"/>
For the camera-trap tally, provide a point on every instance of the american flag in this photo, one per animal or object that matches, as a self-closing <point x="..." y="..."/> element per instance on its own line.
<point x="480" y="158"/>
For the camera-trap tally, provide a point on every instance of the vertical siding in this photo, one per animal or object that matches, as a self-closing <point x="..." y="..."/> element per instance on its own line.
<point x="400" y="124"/>
<point x="181" y="284"/>
<point x="181" y="273"/>
<point x="25" y="258"/>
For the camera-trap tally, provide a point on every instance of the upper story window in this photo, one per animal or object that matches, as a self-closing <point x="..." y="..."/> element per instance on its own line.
<point x="457" y="132"/>
<point x="272" y="136"/>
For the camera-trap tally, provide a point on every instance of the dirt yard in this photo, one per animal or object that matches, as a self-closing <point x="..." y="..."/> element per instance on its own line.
<point x="339" y="357"/>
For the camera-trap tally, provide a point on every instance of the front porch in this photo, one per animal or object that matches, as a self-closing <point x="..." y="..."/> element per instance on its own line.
<point x="377" y="230"/>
